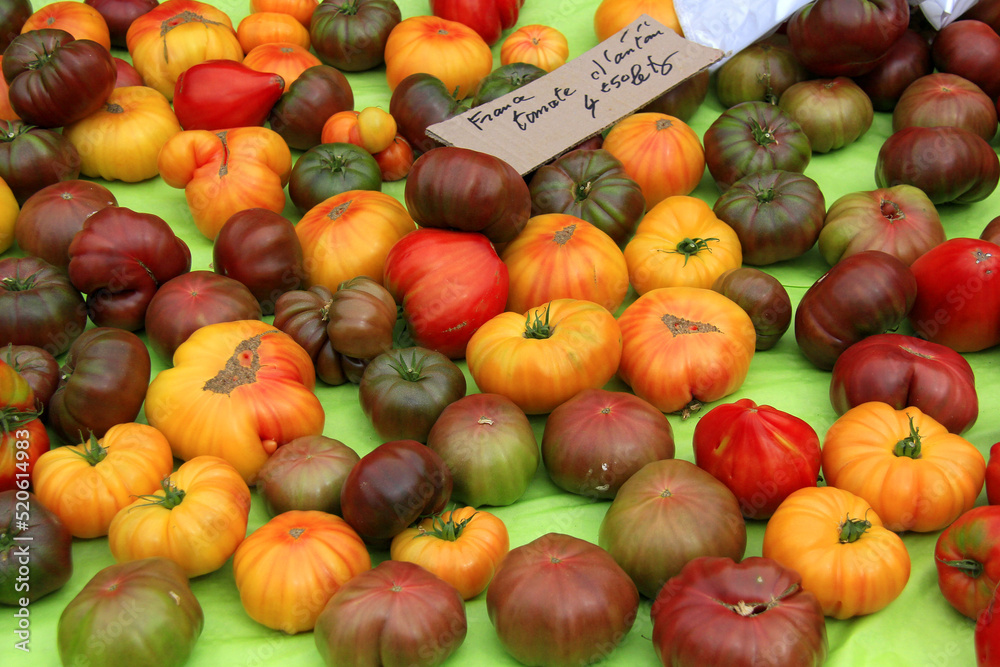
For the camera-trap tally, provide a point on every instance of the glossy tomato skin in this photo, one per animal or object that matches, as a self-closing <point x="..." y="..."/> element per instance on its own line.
<point x="489" y="18"/>
<point x="41" y="544"/>
<point x="306" y="474"/>
<point x="23" y="440"/>
<point x="318" y="93"/>
<point x="39" y="305"/>
<point x="957" y="294"/>
<point x="964" y="47"/>
<point x="946" y="99"/>
<point x="526" y="602"/>
<point x="351" y="34"/>
<point x="906" y="371"/>
<point x="13" y="15"/>
<point x="404" y="391"/>
<point x="908" y="59"/>
<point x="56" y="79"/>
<point x="987" y="635"/>
<point x="331" y="169"/>
<point x="448" y="283"/>
<point x="763" y="298"/>
<point x="757" y="609"/>
<point x="505" y="79"/>
<point x="419" y="101"/>
<point x="362" y="318"/>
<point x="760" y="72"/>
<point x="119" y="14"/>
<point x="390" y="487"/>
<point x="304" y="315"/>
<point x="760" y="453"/>
<point x="862" y="295"/>
<point x="967" y="555"/>
<point x="104" y="381"/>
<point x="119" y="259"/>
<point x="34" y="157"/>
<point x="993" y="475"/>
<point x="219" y="94"/>
<point x="37" y="366"/>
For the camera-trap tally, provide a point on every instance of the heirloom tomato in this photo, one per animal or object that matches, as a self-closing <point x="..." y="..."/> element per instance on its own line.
<point x="757" y="604"/>
<point x="760" y="453"/>
<point x="16" y="393"/>
<point x="967" y="555"/>
<point x="13" y="15"/>
<point x="851" y="562"/>
<point x="167" y="40"/>
<point x="961" y="47"/>
<point x="489" y="446"/>
<point x="350" y="235"/>
<point x="48" y="557"/>
<point x="164" y="633"/>
<point x="271" y="28"/>
<point x="463" y="546"/>
<point x="659" y="152"/>
<point x="402" y="392"/>
<point x="299" y="114"/>
<point x="304" y="315"/>
<point x="993" y="475"/>
<point x="681" y="243"/>
<point x="9" y="211"/>
<point x="39" y="305"/>
<point x="282" y="60"/>
<point x="832" y="112"/>
<point x="613" y="15"/>
<point x="77" y="18"/>
<point x="503" y="80"/>
<point x="683" y="100"/>
<point x="526" y="602"/>
<point x="288" y="569"/>
<point x="543" y="357"/>
<point x="23" y="440"/>
<point x="684" y="346"/>
<point x="391" y="487"/>
<point x="448" y="50"/>
<point x="219" y="94"/>
<point x="329" y="170"/>
<point x="987" y="637"/>
<point x="86" y="484"/>
<point x="238" y="390"/>
<point x="539" y="45"/>
<point x="102" y="383"/>
<point x="666" y="514"/>
<point x="37" y="366"/>
<point x="197" y="518"/>
<point x="119" y="14"/>
<point x="908" y="59"/>
<point x="351" y="35"/>
<point x="763" y="298"/>
<point x="301" y="10"/>
<point x="448" y="284"/>
<point x="419" y="101"/>
<point x="561" y="256"/>
<point x="489" y="18"/>
<point x="760" y="72"/>
<point x="33" y="157"/>
<point x="946" y="99"/>
<point x="306" y="474"/>
<point x="907" y="371"/>
<point x="595" y="441"/>
<point x="396" y="613"/>
<point x="361" y="317"/>
<point x="396" y="160"/>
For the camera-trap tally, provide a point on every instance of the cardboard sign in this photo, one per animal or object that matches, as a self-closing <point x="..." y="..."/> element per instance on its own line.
<point x="550" y="115"/>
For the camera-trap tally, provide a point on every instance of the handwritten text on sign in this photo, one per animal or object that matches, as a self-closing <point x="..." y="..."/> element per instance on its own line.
<point x="550" y="115"/>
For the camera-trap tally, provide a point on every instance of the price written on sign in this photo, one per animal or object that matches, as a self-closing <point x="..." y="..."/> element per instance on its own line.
<point x="550" y="115"/>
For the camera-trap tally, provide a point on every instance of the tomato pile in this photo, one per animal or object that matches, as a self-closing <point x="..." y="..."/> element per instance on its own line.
<point x="298" y="383"/>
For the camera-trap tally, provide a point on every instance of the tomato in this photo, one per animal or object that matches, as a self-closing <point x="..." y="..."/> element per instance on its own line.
<point x="503" y="80"/>
<point x="391" y="487"/>
<point x="560" y="256"/>
<point x="986" y="636"/>
<point x="539" y="45"/>
<point x="33" y="538"/>
<point x="237" y="390"/>
<point x="79" y="19"/>
<point x="13" y="15"/>
<point x="776" y="214"/>
<point x="122" y="139"/>
<point x="954" y="44"/>
<point x="33" y="157"/>
<point x="304" y="315"/>
<point x="957" y="295"/>
<point x="906" y="371"/>
<point x="757" y="609"/>
<point x="163" y="634"/>
<point x="9" y="210"/>
<point x="299" y="114"/>
<point x="119" y="259"/>
<point x="832" y="112"/>
<point x="87" y="483"/>
<point x="590" y="184"/>
<point x="760" y="453"/>
<point x="752" y="137"/>
<point x="402" y="392"/>
<point x="487" y="17"/>
<point x="51" y="217"/>
<point x="197" y="519"/>
<point x="993" y="475"/>
<point x="396" y="160"/>
<point x="613" y="15"/>
<point x="446" y="49"/>
<point x="376" y="128"/>
<point x="967" y="555"/>
<point x="684" y="346"/>
<point x="489" y="446"/>
<point x="941" y="98"/>
<point x="23" y="439"/>
<point x="864" y="294"/>
<point x="301" y="10"/>
<point x="395" y="613"/>
<point x="362" y="316"/>
<point x="760" y="72"/>
<point x="39" y="368"/>
<point x="328" y="170"/>
<point x="38" y="305"/>
<point x="260" y="249"/>
<point x="288" y="569"/>
<point x="219" y="94"/>
<point x="544" y="357"/>
<point x="851" y="562"/>
<point x="448" y="283"/>
<point x="351" y="35"/>
<point x="463" y="546"/>
<point x="459" y="188"/>
<point x="305" y="474"/>
<point x="595" y="441"/>
<point x="763" y="298"/>
<point x="56" y="79"/>
<point x="908" y="59"/>
<point x="526" y="602"/>
<point x="284" y="60"/>
<point x="119" y="14"/>
<point x="419" y="101"/>
<point x="271" y="28"/>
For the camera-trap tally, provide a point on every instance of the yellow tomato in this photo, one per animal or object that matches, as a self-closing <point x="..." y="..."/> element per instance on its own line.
<point x="451" y="51"/>
<point x="377" y="129"/>
<point x="8" y="216"/>
<point x="538" y="45"/>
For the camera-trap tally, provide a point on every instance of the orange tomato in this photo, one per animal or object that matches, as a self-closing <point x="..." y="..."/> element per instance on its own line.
<point x="350" y="235"/>
<point x="341" y="128"/>
<point x="661" y="153"/>
<point x="448" y="50"/>
<point x="538" y="45"/>
<point x="6" y="111"/>
<point x="289" y="568"/>
<point x="301" y="10"/>
<point x="613" y="15"/>
<point x="560" y="256"/>
<point x="9" y="210"/>
<point x="915" y="474"/>
<point x="464" y="547"/>
<point x="851" y="562"/>
<point x="78" y="19"/>
<point x="678" y="243"/>
<point x="377" y="129"/>
<point x="282" y="58"/>
<point x="271" y="27"/>
<point x="396" y="159"/>
<point x="87" y="484"/>
<point x="683" y="346"/>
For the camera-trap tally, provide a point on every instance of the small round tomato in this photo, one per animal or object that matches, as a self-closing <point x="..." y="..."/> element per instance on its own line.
<point x="331" y="169"/>
<point x="967" y="555"/>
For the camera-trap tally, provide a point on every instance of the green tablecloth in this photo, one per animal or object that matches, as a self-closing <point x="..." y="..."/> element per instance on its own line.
<point x="918" y="628"/>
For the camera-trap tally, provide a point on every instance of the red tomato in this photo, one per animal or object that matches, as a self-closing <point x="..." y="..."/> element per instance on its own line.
<point x="993" y="476"/>
<point x="487" y="17"/>
<point x="987" y="635"/>
<point x="967" y="555"/>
